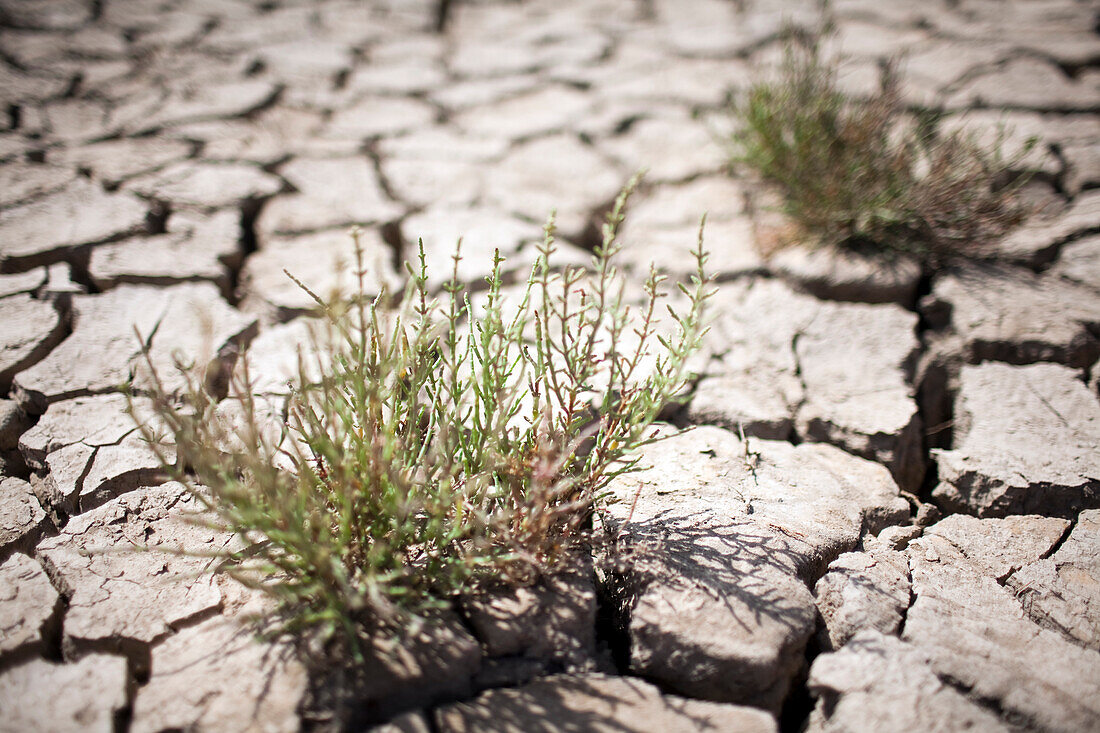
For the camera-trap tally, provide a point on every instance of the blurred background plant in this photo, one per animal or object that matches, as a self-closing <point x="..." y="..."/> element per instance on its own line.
<point x="435" y="446"/>
<point x="864" y="172"/>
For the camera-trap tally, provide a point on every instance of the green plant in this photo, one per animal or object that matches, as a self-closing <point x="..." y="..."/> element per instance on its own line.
<point x="861" y="172"/>
<point x="442" y="445"/>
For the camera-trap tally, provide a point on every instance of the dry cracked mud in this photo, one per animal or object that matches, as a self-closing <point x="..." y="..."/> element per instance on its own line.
<point x="879" y="508"/>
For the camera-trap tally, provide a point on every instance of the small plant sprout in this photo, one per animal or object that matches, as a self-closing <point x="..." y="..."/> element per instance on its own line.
<point x="863" y="172"/>
<point x="441" y="443"/>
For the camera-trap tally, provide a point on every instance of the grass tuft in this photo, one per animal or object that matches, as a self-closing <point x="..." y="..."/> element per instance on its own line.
<point x="438" y="445"/>
<point x="862" y="172"/>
